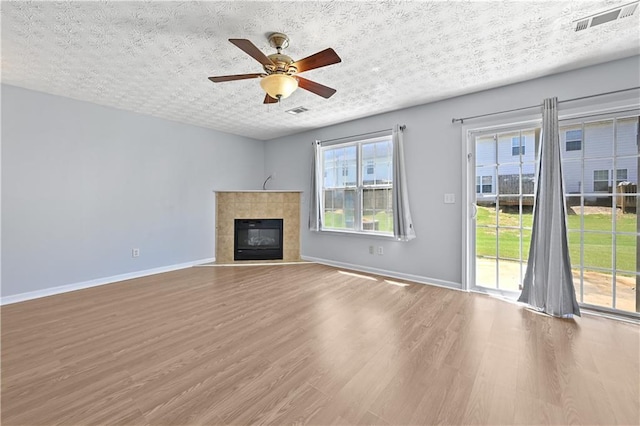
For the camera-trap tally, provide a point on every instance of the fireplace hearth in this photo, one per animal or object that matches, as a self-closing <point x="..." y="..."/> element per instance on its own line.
<point x="257" y="239"/>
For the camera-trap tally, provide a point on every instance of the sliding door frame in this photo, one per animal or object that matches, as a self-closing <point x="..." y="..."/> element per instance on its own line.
<point x="468" y="133"/>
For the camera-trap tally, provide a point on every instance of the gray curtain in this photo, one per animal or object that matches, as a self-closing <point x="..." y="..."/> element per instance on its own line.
<point x="315" y="194"/>
<point x="548" y="282"/>
<point x="402" y="223"/>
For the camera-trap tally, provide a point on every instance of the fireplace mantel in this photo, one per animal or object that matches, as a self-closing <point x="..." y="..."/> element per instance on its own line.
<point x="259" y="204"/>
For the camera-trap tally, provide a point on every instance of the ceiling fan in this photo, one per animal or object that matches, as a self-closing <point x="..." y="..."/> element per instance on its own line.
<point x="280" y="78"/>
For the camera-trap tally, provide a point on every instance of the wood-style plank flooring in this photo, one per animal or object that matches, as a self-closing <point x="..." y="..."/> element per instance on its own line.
<point x="307" y="344"/>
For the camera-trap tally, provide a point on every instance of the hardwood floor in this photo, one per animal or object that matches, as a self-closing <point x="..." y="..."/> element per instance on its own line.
<point x="307" y="344"/>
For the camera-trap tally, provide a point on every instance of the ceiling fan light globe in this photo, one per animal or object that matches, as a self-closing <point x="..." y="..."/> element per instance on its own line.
<point x="279" y="86"/>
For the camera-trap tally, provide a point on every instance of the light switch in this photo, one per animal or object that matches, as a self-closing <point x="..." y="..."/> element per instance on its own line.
<point x="449" y="198"/>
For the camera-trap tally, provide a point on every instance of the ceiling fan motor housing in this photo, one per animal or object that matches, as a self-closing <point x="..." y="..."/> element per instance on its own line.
<point x="281" y="64"/>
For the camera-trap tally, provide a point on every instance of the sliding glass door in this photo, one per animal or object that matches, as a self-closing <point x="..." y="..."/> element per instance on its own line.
<point x="600" y="161"/>
<point x="504" y="176"/>
<point x="600" y="170"/>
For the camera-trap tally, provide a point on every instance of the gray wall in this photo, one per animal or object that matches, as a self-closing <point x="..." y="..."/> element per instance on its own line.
<point x="83" y="184"/>
<point x="434" y="157"/>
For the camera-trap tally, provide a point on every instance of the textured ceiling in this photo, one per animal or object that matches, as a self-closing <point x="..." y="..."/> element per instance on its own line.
<point x="154" y="57"/>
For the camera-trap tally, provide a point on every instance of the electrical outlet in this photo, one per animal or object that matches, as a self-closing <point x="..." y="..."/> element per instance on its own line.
<point x="135" y="252"/>
<point x="371" y="250"/>
<point x="380" y="250"/>
<point x="449" y="198"/>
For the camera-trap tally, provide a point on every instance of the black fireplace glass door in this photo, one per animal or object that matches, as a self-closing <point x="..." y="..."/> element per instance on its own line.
<point x="258" y="239"/>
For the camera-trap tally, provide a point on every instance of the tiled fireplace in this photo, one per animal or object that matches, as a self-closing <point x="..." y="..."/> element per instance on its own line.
<point x="232" y="205"/>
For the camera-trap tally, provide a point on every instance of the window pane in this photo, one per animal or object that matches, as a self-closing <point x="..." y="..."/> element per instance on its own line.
<point x="572" y="175"/>
<point x="486" y="257"/>
<point x="486" y="215"/>
<point x="340" y="167"/>
<point x="598" y="139"/>
<point x="574" y="212"/>
<point x="598" y="217"/>
<point x="509" y="215"/>
<point x="626" y="137"/>
<point x="486" y="242"/>
<point x="377" y="163"/>
<point x="506" y="149"/>
<point x="485" y="150"/>
<point x="486" y="272"/>
<point x="597" y="178"/>
<point x="339" y="209"/>
<point x="626" y="291"/>
<point x="597" y="250"/>
<point x="377" y="210"/>
<point x="509" y="246"/>
<point x="485" y="176"/>
<point x="626" y="251"/>
<point x="527" y="212"/>
<point x="574" y="249"/>
<point x="598" y="288"/>
<point x="528" y="179"/>
<point x="509" y="271"/>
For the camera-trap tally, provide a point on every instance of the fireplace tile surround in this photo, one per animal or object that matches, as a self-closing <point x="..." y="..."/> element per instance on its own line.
<point x="270" y="204"/>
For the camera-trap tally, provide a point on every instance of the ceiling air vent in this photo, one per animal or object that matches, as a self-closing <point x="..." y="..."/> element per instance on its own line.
<point x="606" y="16"/>
<point x="296" y="111"/>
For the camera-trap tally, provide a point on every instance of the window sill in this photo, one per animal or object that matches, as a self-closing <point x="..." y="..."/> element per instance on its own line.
<point x="358" y="233"/>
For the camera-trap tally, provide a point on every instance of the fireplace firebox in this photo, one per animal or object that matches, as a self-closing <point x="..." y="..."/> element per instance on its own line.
<point x="257" y="239"/>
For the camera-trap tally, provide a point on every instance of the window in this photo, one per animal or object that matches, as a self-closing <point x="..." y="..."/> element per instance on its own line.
<point x="516" y="148"/>
<point x="573" y="140"/>
<point x="484" y="184"/>
<point x="358" y="199"/>
<point x="601" y="181"/>
<point x="370" y="167"/>
<point x="621" y="175"/>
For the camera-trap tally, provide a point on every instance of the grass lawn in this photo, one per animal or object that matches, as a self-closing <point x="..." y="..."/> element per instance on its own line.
<point x="597" y="247"/>
<point x="336" y="220"/>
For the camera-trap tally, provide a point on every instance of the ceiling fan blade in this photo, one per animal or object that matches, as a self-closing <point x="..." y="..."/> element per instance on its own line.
<point x="318" y="60"/>
<point x="251" y="50"/>
<point x="317" y="88"/>
<point x="222" y="78"/>
<point x="269" y="100"/>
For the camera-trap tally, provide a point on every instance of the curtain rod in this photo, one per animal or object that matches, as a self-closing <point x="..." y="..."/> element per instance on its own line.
<point x="461" y="120"/>
<point x="361" y="134"/>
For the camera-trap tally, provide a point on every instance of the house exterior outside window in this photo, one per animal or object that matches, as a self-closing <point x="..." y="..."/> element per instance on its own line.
<point x="601" y="181"/>
<point x="621" y="175"/>
<point x="516" y="148"/>
<point x="484" y="184"/>
<point x="573" y="140"/>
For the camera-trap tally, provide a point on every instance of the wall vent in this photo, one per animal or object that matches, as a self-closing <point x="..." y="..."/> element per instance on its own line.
<point x="296" y="111"/>
<point x="606" y="16"/>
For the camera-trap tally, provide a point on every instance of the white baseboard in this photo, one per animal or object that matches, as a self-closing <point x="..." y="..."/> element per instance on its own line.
<point x="392" y="274"/>
<point x="15" y="298"/>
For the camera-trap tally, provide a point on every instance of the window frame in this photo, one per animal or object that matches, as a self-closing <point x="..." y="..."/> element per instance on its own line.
<point x="360" y="187"/>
